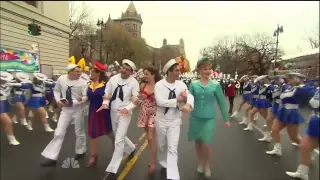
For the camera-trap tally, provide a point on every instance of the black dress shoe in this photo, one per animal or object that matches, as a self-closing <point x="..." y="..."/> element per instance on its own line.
<point x="112" y="176"/>
<point x="79" y="156"/>
<point x="131" y="155"/>
<point x="48" y="162"/>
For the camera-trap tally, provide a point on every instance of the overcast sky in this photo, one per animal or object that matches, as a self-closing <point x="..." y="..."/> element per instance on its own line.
<point x="198" y="23"/>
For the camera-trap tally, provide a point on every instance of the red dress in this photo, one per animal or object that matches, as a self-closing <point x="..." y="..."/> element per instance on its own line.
<point x="99" y="122"/>
<point x="147" y="110"/>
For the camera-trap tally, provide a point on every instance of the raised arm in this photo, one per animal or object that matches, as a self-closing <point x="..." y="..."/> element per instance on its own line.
<point x="161" y="100"/>
<point x="221" y="102"/>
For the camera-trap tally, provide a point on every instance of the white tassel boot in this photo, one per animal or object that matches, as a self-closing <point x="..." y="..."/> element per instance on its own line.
<point x="301" y="173"/>
<point x="276" y="150"/>
<point x="12" y="140"/>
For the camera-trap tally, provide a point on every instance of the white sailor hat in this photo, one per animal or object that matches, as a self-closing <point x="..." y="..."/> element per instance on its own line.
<point x="23" y="77"/>
<point x="299" y="75"/>
<point x="168" y="65"/>
<point x="6" y="76"/>
<point x="244" y="76"/>
<point x="130" y="63"/>
<point x="71" y="66"/>
<point x="40" y="76"/>
<point x="50" y="80"/>
<point x="260" y="78"/>
<point x="254" y="76"/>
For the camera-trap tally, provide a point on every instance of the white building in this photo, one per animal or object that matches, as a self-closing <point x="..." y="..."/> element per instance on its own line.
<point x="53" y="43"/>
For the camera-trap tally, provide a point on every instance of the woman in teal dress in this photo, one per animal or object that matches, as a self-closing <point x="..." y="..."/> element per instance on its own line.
<point x="203" y="117"/>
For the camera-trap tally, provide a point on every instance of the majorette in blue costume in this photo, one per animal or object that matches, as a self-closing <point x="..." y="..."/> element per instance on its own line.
<point x="260" y="89"/>
<point x="288" y="114"/>
<point x="37" y="101"/>
<point x="99" y="123"/>
<point x="5" y="90"/>
<point x="246" y="94"/>
<point x="19" y="98"/>
<point x="278" y="87"/>
<point x="50" y="98"/>
<point x="309" y="142"/>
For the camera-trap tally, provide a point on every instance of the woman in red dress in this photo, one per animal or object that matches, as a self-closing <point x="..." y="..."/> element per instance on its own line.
<point x="99" y="122"/>
<point x="148" y="111"/>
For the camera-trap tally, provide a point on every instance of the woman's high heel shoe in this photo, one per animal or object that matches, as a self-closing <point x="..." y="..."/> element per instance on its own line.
<point x="152" y="169"/>
<point x="92" y="160"/>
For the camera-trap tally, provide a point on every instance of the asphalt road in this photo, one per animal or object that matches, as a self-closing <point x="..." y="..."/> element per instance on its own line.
<point x="237" y="155"/>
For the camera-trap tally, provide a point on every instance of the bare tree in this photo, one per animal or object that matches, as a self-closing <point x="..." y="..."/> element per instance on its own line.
<point x="313" y="38"/>
<point x="244" y="54"/>
<point x="77" y="16"/>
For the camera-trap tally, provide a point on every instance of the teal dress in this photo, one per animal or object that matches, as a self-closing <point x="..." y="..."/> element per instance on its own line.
<point x="202" y="118"/>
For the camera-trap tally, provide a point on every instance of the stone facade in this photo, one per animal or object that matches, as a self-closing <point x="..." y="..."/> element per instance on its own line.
<point x="54" y="39"/>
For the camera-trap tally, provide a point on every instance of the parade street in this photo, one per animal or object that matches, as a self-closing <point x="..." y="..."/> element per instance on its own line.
<point x="236" y="155"/>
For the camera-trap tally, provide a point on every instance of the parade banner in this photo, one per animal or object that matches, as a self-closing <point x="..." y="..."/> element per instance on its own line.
<point x="17" y="60"/>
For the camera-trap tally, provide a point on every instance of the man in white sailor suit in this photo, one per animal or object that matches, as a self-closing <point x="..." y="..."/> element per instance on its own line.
<point x="170" y="94"/>
<point x="74" y="93"/>
<point x="119" y="93"/>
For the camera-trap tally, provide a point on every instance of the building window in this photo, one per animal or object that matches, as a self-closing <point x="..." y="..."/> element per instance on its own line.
<point x="32" y="3"/>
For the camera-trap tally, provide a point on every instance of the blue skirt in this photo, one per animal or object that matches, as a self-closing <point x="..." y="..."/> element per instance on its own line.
<point x="253" y="102"/>
<point x="314" y="127"/>
<point x="99" y="122"/>
<point x="275" y="107"/>
<point x="289" y="116"/>
<point x="4" y="106"/>
<point x="36" y="102"/>
<point x="19" y="98"/>
<point x="263" y="104"/>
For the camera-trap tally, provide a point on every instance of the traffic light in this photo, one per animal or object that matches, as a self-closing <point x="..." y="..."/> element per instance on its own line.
<point x="34" y="29"/>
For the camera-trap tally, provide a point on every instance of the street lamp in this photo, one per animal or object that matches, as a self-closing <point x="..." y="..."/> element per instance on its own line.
<point x="101" y="24"/>
<point x="276" y="34"/>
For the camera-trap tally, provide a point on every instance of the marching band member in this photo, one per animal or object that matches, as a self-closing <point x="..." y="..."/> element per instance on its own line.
<point x="148" y="111"/>
<point x="261" y="103"/>
<point x="37" y="102"/>
<point x="246" y="97"/>
<point x="19" y="98"/>
<point x="288" y="114"/>
<point x="121" y="88"/>
<point x="278" y="88"/>
<point x="169" y="93"/>
<point x="231" y="93"/>
<point x="252" y="103"/>
<point x="99" y="123"/>
<point x="70" y="92"/>
<point x="309" y="142"/>
<point x="202" y="119"/>
<point x="5" y="89"/>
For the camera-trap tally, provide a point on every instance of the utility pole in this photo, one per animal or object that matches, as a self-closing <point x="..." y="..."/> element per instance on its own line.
<point x="276" y="34"/>
<point x="101" y="24"/>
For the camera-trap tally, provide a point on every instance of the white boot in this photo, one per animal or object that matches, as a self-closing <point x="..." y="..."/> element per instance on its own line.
<point x="276" y="150"/>
<point x="235" y="114"/>
<point x="256" y="117"/>
<point x="266" y="137"/>
<point x="249" y="127"/>
<point x="207" y="171"/>
<point x="29" y="125"/>
<point x="47" y="116"/>
<point x="200" y="168"/>
<point x="244" y="120"/>
<point x="47" y="128"/>
<point x="23" y="122"/>
<point x="12" y="140"/>
<point x="54" y="118"/>
<point x="30" y="115"/>
<point x="14" y="119"/>
<point x="301" y="173"/>
<point x="295" y="144"/>
<point x="50" y="109"/>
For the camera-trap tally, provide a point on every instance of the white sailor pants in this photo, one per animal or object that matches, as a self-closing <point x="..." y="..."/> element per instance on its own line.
<point x="68" y="115"/>
<point x="122" y="143"/>
<point x="168" y="133"/>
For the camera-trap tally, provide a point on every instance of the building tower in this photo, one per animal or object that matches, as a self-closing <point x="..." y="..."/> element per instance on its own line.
<point x="164" y="42"/>
<point x="131" y="20"/>
<point x="181" y="47"/>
